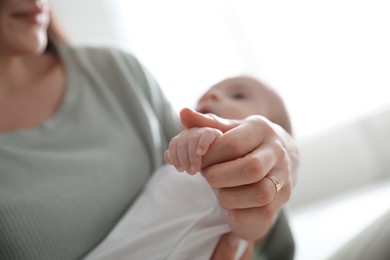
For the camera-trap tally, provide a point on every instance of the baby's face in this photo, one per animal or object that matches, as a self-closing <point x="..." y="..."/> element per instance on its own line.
<point x="233" y="99"/>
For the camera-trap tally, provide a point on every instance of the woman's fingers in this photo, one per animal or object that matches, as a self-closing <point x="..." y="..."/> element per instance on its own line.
<point x="258" y="194"/>
<point x="239" y="141"/>
<point x="253" y="223"/>
<point x="231" y="247"/>
<point x="246" y="170"/>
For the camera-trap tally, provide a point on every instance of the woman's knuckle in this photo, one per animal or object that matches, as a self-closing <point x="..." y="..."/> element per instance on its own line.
<point x="261" y="123"/>
<point x="281" y="153"/>
<point x="223" y="199"/>
<point x="237" y="217"/>
<point x="267" y="194"/>
<point x="258" y="198"/>
<point x="254" y="169"/>
<point x="268" y="212"/>
<point x="211" y="179"/>
<point x="235" y="146"/>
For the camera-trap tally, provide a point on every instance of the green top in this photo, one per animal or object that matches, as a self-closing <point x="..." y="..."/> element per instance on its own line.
<point x="65" y="184"/>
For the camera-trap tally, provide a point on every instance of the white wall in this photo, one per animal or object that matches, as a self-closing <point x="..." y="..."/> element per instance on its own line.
<point x="328" y="59"/>
<point x="87" y="21"/>
<point x="343" y="186"/>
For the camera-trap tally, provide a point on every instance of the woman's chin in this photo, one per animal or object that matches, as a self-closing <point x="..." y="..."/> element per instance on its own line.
<point x="33" y="48"/>
<point x="39" y="45"/>
<point x="33" y="43"/>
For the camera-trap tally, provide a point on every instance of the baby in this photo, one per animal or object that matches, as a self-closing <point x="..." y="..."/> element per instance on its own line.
<point x="177" y="216"/>
<point x="233" y="98"/>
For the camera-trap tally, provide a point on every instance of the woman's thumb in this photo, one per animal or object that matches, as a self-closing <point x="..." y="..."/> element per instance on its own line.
<point x="191" y="118"/>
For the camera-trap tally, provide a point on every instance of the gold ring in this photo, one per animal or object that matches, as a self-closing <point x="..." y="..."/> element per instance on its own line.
<point x="276" y="182"/>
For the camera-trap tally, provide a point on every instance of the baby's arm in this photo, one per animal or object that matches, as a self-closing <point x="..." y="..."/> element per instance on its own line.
<point x="185" y="150"/>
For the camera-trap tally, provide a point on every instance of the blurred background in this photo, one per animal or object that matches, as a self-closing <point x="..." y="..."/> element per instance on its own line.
<point x="329" y="60"/>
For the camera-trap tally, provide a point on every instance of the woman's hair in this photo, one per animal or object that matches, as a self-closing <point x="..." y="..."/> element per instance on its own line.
<point x="55" y="34"/>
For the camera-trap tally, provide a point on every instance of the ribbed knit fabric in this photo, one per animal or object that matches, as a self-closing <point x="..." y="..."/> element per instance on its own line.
<point x="65" y="184"/>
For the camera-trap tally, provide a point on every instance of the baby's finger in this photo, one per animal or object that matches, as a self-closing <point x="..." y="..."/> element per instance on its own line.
<point x="195" y="159"/>
<point x="182" y="153"/>
<point x="172" y="154"/>
<point x="206" y="139"/>
<point x="166" y="157"/>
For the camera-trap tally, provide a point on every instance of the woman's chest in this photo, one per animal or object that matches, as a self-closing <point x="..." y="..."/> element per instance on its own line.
<point x="29" y="105"/>
<point x="70" y="190"/>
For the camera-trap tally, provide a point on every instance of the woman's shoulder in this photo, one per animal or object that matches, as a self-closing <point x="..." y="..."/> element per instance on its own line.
<point x="90" y="49"/>
<point x="110" y="63"/>
<point x="97" y="53"/>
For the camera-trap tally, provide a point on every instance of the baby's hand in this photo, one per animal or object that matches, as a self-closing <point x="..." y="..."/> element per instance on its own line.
<point x="185" y="150"/>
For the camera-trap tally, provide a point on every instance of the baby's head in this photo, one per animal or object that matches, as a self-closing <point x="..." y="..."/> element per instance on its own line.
<point x="240" y="97"/>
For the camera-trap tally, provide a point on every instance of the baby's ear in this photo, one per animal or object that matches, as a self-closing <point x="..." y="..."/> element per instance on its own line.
<point x="190" y="118"/>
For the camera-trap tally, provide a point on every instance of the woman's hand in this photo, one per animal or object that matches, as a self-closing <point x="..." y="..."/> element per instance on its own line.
<point x="238" y="165"/>
<point x="228" y="246"/>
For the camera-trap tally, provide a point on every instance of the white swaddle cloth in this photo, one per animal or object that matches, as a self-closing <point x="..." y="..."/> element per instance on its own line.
<point x="177" y="216"/>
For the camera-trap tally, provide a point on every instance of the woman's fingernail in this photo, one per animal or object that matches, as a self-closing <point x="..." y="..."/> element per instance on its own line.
<point x="233" y="240"/>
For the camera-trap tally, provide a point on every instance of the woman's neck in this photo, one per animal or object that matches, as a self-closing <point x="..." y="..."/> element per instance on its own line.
<point x="17" y="72"/>
<point x="31" y="90"/>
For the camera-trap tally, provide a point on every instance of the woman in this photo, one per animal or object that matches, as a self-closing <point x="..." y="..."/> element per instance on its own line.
<point x="82" y="129"/>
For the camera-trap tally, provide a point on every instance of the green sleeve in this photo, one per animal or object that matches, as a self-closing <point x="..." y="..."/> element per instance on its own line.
<point x="279" y="244"/>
